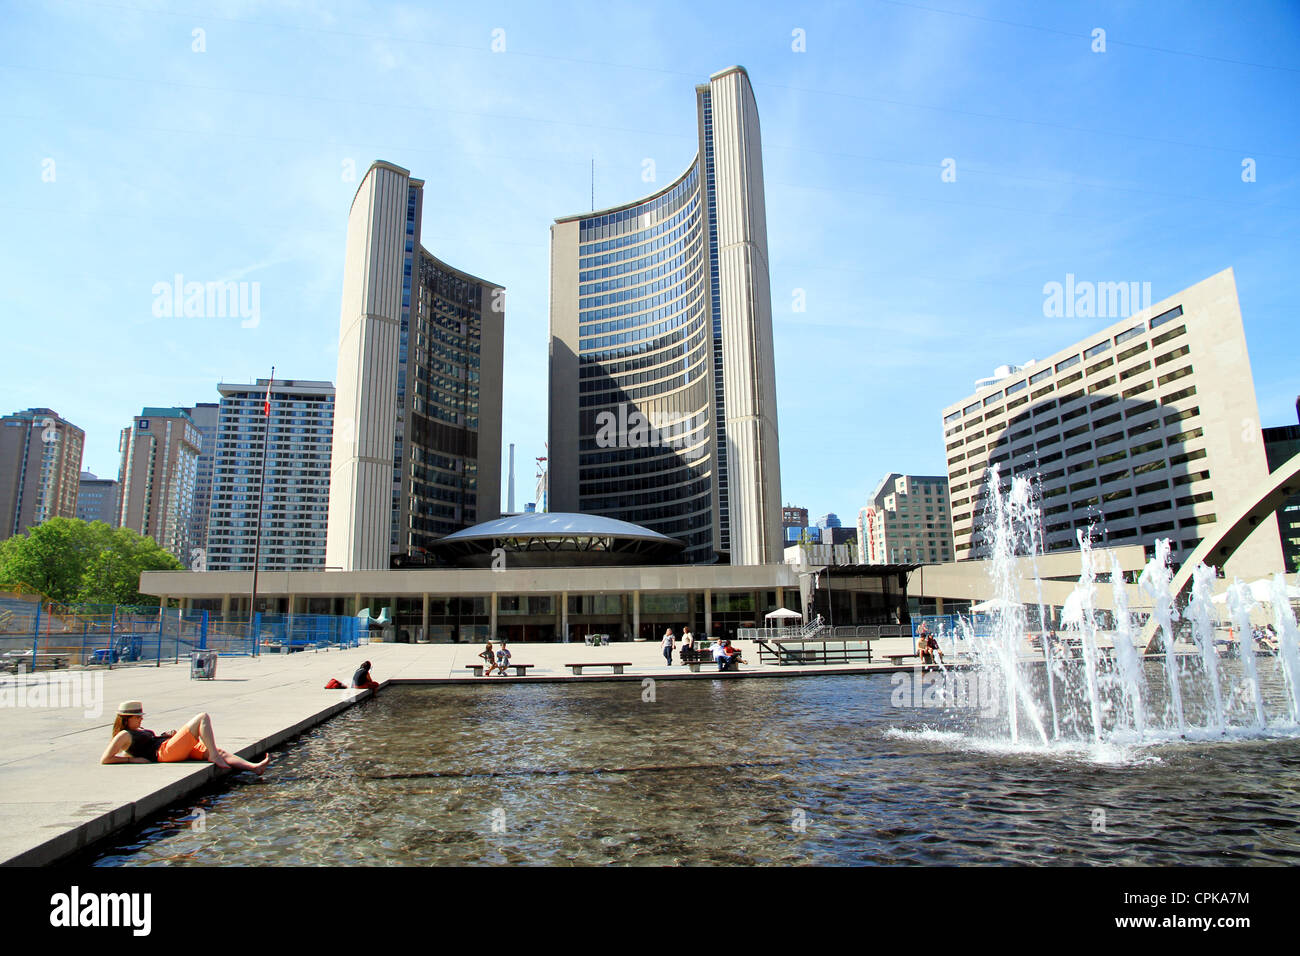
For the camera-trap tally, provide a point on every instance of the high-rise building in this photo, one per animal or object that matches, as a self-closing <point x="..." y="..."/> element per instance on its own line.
<point x="906" y="522"/>
<point x="40" y="469"/>
<point x="794" y="520"/>
<point x="1146" y="429"/>
<point x="663" y="383"/>
<point x="159" y="469"/>
<point x="417" y="424"/>
<point x="828" y="520"/>
<point x="97" y="499"/>
<point x="295" y="489"/>
<point x="204" y="415"/>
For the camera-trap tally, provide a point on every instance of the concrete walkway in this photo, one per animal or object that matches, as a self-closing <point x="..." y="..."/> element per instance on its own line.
<point x="56" y="798"/>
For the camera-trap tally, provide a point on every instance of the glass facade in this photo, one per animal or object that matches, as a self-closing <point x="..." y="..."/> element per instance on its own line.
<point x="438" y="404"/>
<point x="650" y="344"/>
<point x="644" y="347"/>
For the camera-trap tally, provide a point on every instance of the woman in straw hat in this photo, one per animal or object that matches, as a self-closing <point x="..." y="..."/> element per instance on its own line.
<point x="132" y="744"/>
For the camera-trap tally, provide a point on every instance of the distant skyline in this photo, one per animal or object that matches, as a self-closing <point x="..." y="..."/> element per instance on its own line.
<point x="931" y="170"/>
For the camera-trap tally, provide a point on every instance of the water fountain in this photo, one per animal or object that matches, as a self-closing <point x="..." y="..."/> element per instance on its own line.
<point x="1107" y="692"/>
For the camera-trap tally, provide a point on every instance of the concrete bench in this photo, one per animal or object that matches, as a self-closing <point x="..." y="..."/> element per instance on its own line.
<point x="617" y="665"/>
<point x="521" y="670"/>
<point x="712" y="664"/>
<point x="897" y="659"/>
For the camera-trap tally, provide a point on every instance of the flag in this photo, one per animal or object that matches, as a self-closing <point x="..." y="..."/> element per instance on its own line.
<point x="266" y="408"/>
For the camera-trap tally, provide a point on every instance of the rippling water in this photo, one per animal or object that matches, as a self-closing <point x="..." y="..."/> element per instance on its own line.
<point x="768" y="771"/>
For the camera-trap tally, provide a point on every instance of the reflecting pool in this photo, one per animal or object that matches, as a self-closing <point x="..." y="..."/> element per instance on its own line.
<point x="772" y="771"/>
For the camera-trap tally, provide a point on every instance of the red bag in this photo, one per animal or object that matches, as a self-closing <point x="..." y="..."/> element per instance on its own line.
<point x="335" y="685"/>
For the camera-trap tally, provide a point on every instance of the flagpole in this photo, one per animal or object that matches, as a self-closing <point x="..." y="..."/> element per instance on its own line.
<point x="261" y="485"/>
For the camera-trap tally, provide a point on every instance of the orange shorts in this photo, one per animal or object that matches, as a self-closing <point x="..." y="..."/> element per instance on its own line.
<point x="182" y="745"/>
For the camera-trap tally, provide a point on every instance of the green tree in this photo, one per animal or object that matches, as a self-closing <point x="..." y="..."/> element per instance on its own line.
<point x="74" y="561"/>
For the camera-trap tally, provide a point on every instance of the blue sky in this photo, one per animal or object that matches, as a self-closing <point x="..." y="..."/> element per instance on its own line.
<point x="129" y="157"/>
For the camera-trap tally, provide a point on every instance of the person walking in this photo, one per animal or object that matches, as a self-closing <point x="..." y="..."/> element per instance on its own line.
<point x="688" y="644"/>
<point x="668" y="643"/>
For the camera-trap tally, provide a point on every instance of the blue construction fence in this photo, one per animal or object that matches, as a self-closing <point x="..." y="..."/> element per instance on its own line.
<point x="35" y="634"/>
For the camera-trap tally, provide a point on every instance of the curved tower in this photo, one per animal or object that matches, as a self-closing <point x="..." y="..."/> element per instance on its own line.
<point x="417" y="422"/>
<point x="663" y="384"/>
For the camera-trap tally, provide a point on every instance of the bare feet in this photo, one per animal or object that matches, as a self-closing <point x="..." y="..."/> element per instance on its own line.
<point x="260" y="766"/>
<point x="218" y="758"/>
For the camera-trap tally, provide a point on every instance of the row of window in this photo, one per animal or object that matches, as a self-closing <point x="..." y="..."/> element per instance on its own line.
<point x="611" y="224"/>
<point x="1070" y="362"/>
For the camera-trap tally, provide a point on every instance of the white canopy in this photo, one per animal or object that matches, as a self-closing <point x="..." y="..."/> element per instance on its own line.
<point x="1261" y="592"/>
<point x="783" y="614"/>
<point x="992" y="604"/>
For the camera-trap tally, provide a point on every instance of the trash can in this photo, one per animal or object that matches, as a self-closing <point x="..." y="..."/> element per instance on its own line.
<point x="203" y="665"/>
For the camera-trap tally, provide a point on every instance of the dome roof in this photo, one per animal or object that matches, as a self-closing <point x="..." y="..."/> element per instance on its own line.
<point x="558" y="539"/>
<point x="557" y="523"/>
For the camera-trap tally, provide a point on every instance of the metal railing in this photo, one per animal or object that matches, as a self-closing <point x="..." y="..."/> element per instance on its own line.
<point x="814" y="652"/>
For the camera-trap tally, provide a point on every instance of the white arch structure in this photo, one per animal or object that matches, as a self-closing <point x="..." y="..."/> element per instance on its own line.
<point x="1226" y="537"/>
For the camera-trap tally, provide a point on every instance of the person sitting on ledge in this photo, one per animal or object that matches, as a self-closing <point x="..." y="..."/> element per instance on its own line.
<point x="733" y="653"/>
<point x="194" y="741"/>
<point x="362" y="680"/>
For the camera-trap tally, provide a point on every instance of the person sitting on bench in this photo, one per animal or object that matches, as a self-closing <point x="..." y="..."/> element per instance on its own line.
<point x="720" y="654"/>
<point x="733" y="653"/>
<point x="491" y="658"/>
<point x="503" y="659"/>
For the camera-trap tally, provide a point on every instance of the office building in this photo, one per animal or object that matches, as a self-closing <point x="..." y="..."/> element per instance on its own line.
<point x="906" y="522"/>
<point x="97" y="499"/>
<point x="295" y="488"/>
<point x="159" y="469"/>
<point x="794" y="521"/>
<point x="417" y="425"/>
<point x="1146" y="429"/>
<point x="40" y="469"/>
<point x="662" y="376"/>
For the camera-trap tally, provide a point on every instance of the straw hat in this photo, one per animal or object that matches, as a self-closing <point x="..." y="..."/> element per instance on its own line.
<point x="130" y="708"/>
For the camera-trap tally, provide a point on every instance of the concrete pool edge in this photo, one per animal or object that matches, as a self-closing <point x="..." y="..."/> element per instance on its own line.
<point x="82" y="837"/>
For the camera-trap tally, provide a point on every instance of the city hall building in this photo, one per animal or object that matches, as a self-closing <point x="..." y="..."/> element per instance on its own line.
<point x="553" y="577"/>
<point x="664" y="465"/>
<point x="417" y="413"/>
<point x="663" y="382"/>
